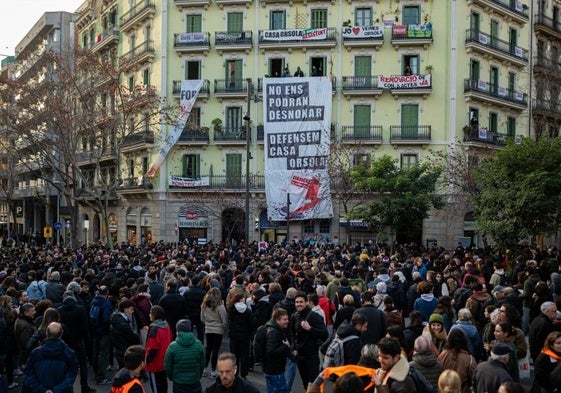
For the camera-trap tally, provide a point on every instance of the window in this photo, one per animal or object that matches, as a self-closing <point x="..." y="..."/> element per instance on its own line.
<point x="494" y="32"/>
<point x="410" y="65"/>
<point x="512" y="40"/>
<point x="147" y="33"/>
<point x="494" y="80"/>
<point x="131" y="83"/>
<point x="493" y="122"/>
<point x="474" y="70"/>
<point x="192" y="166"/>
<point x="278" y="20"/>
<point x="234" y="74"/>
<point x="411" y="15"/>
<point x="363" y="17"/>
<point x="131" y="167"/>
<point x="195" y="118"/>
<point x="318" y="18"/>
<point x="408" y="160"/>
<point x="192" y="70"/>
<point x="362" y="159"/>
<point x="324" y="226"/>
<point x="235" y="22"/>
<point x="511" y="82"/>
<point x="146" y="77"/>
<point x="144" y="164"/>
<point x="363" y="66"/>
<point x="233" y="119"/>
<point x="511" y="127"/>
<point x="409" y="121"/>
<point x="475" y="22"/>
<point x="234" y="169"/>
<point x="361" y="125"/>
<point x="193" y="23"/>
<point x="308" y="226"/>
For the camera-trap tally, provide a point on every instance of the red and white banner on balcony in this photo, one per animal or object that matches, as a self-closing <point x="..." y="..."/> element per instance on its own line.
<point x="404" y="81"/>
<point x="294" y="34"/>
<point x="187" y="97"/>
<point x="297" y="122"/>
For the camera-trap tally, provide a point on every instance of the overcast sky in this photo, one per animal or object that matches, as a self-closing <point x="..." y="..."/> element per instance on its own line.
<point x="19" y="16"/>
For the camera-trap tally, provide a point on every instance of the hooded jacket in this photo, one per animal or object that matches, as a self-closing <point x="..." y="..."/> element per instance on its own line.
<point x="242" y="323"/>
<point x="351" y="347"/>
<point x="184" y="361"/>
<point x="157" y="343"/>
<point x="397" y="380"/>
<point x="52" y="366"/>
<point x="75" y="321"/>
<point x="427" y="364"/>
<point x="276" y="351"/>
<point x="426" y="304"/>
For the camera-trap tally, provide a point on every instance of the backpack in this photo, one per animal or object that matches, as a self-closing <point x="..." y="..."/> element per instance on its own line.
<point x="260" y="343"/>
<point x="461" y="296"/>
<point x="95" y="317"/>
<point x="421" y="383"/>
<point x="335" y="354"/>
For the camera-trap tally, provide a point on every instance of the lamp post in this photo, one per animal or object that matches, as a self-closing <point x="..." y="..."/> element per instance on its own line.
<point x="247" y="119"/>
<point x="287" y="218"/>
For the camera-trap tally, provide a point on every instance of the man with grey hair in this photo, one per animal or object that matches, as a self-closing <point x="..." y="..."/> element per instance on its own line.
<point x="491" y="374"/>
<point x="541" y="326"/>
<point x="425" y="361"/>
<point x="464" y="323"/>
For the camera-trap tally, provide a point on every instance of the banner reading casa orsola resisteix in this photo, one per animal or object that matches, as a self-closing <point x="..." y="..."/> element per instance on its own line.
<point x="297" y="123"/>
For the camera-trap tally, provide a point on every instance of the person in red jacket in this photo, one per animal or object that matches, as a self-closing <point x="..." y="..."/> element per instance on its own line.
<point x="157" y="342"/>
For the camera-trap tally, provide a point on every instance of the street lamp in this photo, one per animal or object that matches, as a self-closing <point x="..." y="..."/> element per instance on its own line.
<point x="247" y="119"/>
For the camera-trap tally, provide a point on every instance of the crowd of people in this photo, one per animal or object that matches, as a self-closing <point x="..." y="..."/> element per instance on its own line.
<point x="385" y="319"/>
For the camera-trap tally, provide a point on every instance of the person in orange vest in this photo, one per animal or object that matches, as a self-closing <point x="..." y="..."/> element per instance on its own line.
<point x="127" y="379"/>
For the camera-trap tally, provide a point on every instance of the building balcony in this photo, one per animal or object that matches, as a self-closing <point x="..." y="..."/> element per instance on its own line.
<point x="233" y="88"/>
<point x="362" y="134"/>
<point x="510" y="10"/>
<point x="362" y="37"/>
<point x="191" y="42"/>
<point x="410" y="135"/>
<point x="487" y="46"/>
<point x="546" y="108"/>
<point x="233" y="42"/>
<point x="232" y="135"/>
<point x="548" y="67"/>
<point x="137" y="15"/>
<point x="181" y="4"/>
<point x="137" y="140"/>
<point x="193" y="135"/>
<point x="481" y="136"/>
<point x="140" y="54"/>
<point x="494" y="95"/>
<point x="203" y="93"/>
<point x="412" y="35"/>
<point x="181" y="182"/>
<point x="222" y="3"/>
<point x="353" y="86"/>
<point x="548" y="26"/>
<point x="93" y="156"/>
<point x="107" y="38"/>
<point x="135" y="184"/>
<point x="305" y="39"/>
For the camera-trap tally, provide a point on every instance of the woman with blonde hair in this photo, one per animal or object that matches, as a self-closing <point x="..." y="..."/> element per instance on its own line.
<point x="449" y="382"/>
<point x="215" y="319"/>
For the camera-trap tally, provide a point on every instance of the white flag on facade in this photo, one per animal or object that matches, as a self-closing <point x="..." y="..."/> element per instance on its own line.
<point x="297" y="122"/>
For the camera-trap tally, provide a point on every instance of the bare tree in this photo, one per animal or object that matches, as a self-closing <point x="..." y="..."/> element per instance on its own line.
<point x="72" y="120"/>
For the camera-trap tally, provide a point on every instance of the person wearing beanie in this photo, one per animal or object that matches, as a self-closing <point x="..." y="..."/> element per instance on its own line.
<point x="435" y="333"/>
<point x="185" y="360"/>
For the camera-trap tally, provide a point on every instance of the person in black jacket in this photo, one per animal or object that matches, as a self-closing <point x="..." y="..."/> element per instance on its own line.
<point x="376" y="320"/>
<point x="242" y="326"/>
<point x="123" y="332"/>
<point x="308" y="332"/>
<point x="193" y="299"/>
<point x="174" y="305"/>
<point x="277" y="350"/>
<point x="228" y="380"/>
<point x="76" y="333"/>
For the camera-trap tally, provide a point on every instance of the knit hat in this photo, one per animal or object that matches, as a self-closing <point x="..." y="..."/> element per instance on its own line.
<point x="184" y="325"/>
<point x="436" y="318"/>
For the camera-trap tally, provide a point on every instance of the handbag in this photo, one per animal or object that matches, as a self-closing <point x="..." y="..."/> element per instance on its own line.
<point x="524" y="368"/>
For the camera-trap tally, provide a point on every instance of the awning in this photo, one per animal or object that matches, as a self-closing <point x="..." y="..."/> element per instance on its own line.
<point x="353" y="224"/>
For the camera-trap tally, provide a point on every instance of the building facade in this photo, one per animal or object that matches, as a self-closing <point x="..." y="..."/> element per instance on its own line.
<point x="410" y="78"/>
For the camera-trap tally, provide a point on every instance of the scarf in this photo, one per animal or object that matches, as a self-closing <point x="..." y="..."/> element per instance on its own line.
<point x="551" y="354"/>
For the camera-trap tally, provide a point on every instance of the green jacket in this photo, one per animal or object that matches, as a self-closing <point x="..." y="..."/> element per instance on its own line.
<point x="185" y="359"/>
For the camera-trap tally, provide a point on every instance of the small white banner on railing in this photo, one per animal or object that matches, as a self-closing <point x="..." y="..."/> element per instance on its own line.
<point x="187" y="38"/>
<point x="178" y="181"/>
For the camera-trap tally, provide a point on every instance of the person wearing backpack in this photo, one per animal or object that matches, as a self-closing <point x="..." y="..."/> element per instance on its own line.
<point x="99" y="316"/>
<point x="346" y="346"/>
<point x="274" y="350"/>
